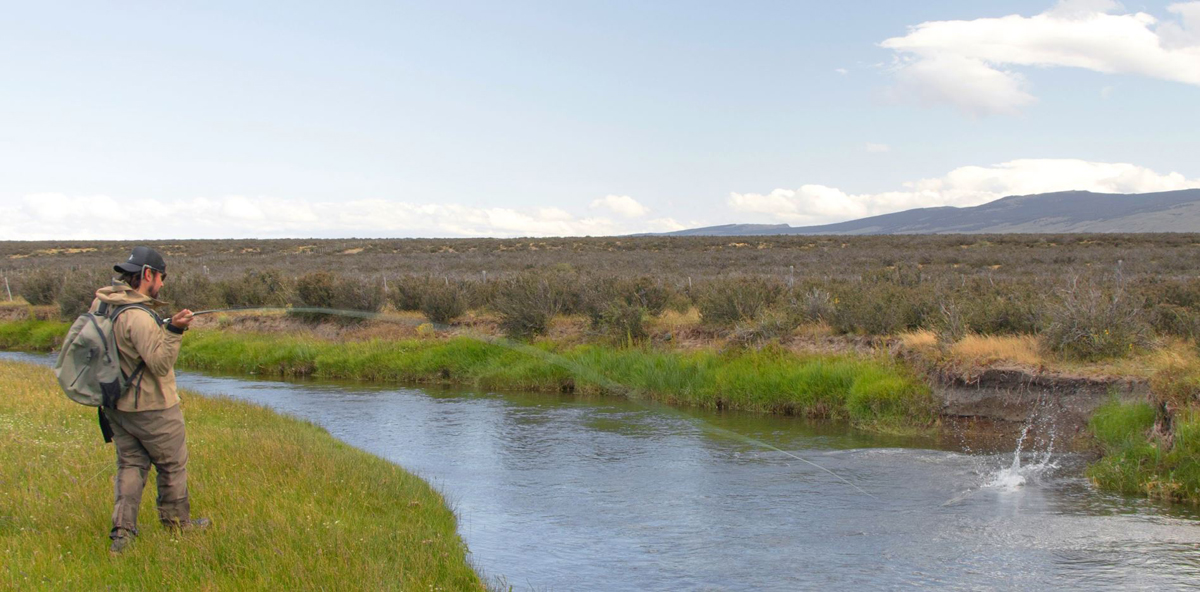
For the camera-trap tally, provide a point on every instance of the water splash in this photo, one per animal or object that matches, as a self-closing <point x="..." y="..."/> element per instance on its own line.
<point x="1016" y="475"/>
<point x="1019" y="472"/>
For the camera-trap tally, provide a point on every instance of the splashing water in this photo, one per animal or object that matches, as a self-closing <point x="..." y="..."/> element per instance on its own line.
<point x="1016" y="475"/>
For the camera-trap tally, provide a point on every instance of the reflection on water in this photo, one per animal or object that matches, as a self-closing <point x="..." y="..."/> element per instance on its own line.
<point x="564" y="493"/>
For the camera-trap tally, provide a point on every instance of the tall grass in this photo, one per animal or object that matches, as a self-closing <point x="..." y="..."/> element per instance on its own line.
<point x="772" y="380"/>
<point x="292" y="508"/>
<point x="32" y="334"/>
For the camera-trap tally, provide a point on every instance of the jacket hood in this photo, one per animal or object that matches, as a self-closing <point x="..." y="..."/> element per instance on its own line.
<point x="120" y="294"/>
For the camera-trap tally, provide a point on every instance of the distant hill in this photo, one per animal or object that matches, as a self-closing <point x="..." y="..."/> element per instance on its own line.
<point x="1068" y="211"/>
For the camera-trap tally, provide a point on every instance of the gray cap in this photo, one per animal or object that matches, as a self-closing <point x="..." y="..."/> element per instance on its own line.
<point x="142" y="257"/>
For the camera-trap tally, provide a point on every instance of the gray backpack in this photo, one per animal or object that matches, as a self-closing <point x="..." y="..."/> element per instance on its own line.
<point x="89" y="365"/>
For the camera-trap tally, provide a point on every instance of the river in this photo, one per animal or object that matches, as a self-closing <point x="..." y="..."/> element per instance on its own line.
<point x="567" y="493"/>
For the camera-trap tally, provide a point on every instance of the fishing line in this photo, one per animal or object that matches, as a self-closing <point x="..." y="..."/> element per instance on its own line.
<point x="576" y="368"/>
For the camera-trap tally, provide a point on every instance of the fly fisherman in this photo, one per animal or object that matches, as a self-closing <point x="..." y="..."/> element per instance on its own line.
<point x="147" y="424"/>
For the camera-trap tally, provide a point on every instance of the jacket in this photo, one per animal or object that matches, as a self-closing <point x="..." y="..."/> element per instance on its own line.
<point x="142" y="337"/>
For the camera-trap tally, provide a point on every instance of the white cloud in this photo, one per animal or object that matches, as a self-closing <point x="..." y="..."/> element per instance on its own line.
<point x="53" y="216"/>
<point x="969" y="63"/>
<point x="873" y="147"/>
<point x="964" y="186"/>
<point x="622" y="205"/>
<point x="841" y="71"/>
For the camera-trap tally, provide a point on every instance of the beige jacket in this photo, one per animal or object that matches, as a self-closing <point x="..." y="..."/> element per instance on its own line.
<point x="140" y="337"/>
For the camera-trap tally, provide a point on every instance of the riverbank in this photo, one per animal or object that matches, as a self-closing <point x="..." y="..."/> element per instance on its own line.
<point x="872" y="392"/>
<point x="292" y="507"/>
<point x="985" y="390"/>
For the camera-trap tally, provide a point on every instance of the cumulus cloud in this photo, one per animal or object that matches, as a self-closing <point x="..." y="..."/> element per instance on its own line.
<point x="53" y="216"/>
<point x="622" y="205"/>
<point x="964" y="186"/>
<point x="969" y="64"/>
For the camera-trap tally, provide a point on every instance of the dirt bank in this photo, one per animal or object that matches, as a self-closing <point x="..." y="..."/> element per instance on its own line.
<point x="1000" y="402"/>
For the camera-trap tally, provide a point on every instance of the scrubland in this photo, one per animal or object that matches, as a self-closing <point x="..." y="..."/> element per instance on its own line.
<point x="641" y="310"/>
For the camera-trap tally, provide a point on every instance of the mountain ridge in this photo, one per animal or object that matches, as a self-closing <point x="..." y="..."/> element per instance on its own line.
<point x="1058" y="212"/>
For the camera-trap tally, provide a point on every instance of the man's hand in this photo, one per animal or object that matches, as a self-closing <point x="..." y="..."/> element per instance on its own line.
<point x="182" y="319"/>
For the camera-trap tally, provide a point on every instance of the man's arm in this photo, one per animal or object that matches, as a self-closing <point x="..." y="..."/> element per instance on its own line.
<point x="157" y="347"/>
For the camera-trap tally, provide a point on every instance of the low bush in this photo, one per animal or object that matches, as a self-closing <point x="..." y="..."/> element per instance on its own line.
<point x="882" y="307"/>
<point x="41" y="287"/>
<point x="405" y="293"/>
<point x="1091" y="323"/>
<point x="324" y="290"/>
<point x="257" y="288"/>
<point x="527" y="301"/>
<point x="443" y="302"/>
<point x="194" y="291"/>
<point x="728" y="301"/>
<point x="78" y="291"/>
<point x="623" y="322"/>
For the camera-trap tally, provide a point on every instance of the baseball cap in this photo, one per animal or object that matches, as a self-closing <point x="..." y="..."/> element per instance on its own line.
<point x="142" y="257"/>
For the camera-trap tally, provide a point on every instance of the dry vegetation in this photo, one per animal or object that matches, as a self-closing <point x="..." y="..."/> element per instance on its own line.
<point x="1088" y="298"/>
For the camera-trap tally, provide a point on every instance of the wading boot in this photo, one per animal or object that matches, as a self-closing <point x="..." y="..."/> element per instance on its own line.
<point x="120" y="542"/>
<point x="188" y="525"/>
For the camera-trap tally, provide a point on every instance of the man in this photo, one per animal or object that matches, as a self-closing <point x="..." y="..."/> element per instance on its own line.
<point x="147" y="424"/>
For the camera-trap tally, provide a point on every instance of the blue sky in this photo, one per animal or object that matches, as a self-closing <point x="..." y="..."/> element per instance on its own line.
<point x="541" y="118"/>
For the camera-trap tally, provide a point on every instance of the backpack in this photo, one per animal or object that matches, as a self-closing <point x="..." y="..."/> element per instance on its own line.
<point x="89" y="365"/>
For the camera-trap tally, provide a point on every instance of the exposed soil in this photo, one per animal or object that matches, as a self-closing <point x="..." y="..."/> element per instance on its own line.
<point x="1002" y="401"/>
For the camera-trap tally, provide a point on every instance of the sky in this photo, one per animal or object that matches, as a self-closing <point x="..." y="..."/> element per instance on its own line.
<point x="140" y="120"/>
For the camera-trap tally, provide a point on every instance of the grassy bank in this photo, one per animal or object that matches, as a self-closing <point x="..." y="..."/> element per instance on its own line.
<point x="868" y="391"/>
<point x="292" y="507"/>
<point x="1153" y="449"/>
<point x="32" y="334"/>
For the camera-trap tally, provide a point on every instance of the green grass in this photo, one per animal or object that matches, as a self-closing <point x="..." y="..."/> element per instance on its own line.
<point x="1137" y="462"/>
<point x="868" y="391"/>
<point x="32" y="334"/>
<point x="292" y="507"/>
<point x="872" y="392"/>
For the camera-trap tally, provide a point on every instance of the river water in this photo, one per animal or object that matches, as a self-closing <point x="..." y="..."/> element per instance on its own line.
<point x="565" y="493"/>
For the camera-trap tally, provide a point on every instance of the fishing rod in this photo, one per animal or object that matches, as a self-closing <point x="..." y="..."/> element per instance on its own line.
<point x="589" y="374"/>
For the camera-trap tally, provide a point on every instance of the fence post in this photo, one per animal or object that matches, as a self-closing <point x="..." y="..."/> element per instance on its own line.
<point x="385" y="288"/>
<point x="792" y="276"/>
<point x="7" y="289"/>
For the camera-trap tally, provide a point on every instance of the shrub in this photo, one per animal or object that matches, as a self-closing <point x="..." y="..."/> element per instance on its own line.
<point x="770" y="326"/>
<point x="526" y="303"/>
<point x="812" y="306"/>
<point x="256" y="288"/>
<point x="78" y="291"/>
<point x="623" y="321"/>
<point x="1172" y="319"/>
<point x="725" y="302"/>
<point x="601" y="296"/>
<point x="1089" y="323"/>
<point x="359" y="294"/>
<point x="443" y="302"/>
<point x="405" y="293"/>
<point x="41" y="287"/>
<point x="193" y="291"/>
<point x="315" y="290"/>
<point x="881" y="308"/>
<point x="952" y="326"/>
<point x="325" y="290"/>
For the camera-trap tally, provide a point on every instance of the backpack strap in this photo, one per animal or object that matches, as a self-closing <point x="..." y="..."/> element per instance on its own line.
<point x="141" y="367"/>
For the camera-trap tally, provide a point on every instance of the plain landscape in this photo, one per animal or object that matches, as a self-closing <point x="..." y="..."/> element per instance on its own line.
<point x="844" y="328"/>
